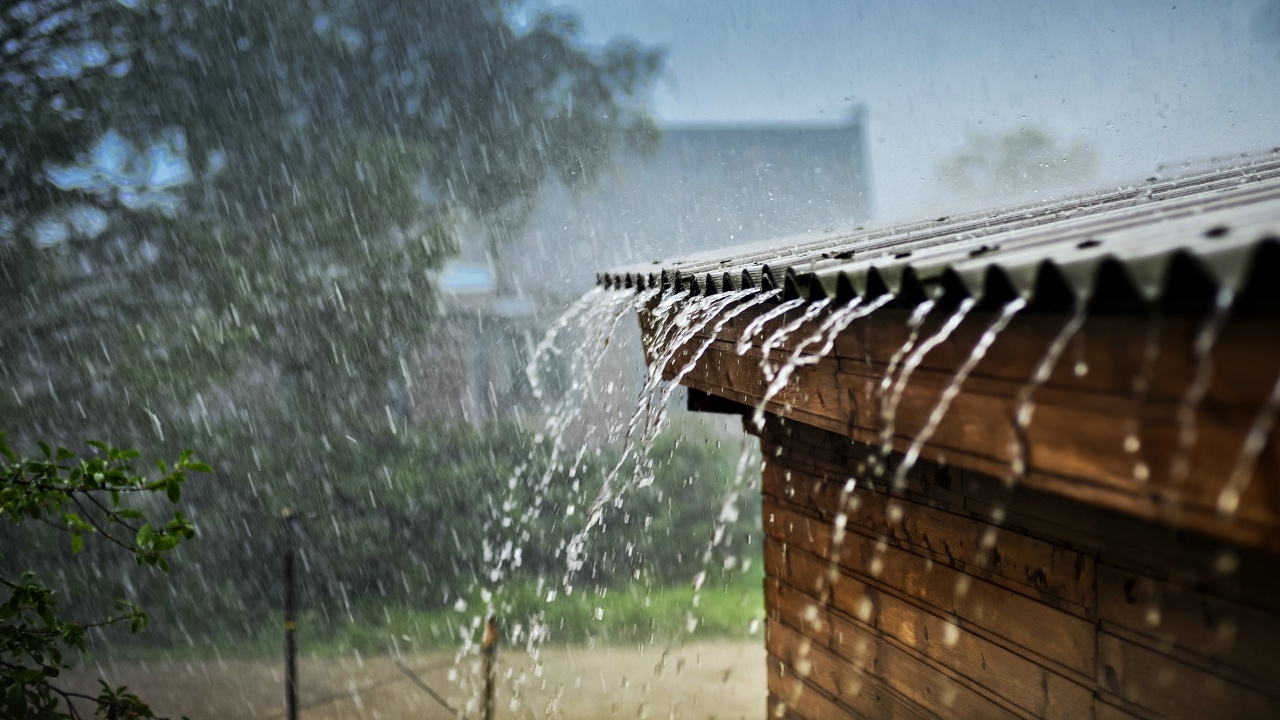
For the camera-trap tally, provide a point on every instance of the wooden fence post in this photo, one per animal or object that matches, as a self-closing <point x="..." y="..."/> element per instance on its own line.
<point x="290" y="621"/>
<point x="489" y="648"/>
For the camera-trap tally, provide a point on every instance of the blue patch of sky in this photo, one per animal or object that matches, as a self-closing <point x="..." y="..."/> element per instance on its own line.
<point x="71" y="62"/>
<point x="115" y="164"/>
<point x="114" y="169"/>
<point x="463" y="278"/>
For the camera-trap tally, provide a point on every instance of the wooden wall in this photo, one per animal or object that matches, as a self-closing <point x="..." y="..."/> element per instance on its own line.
<point x="1076" y="444"/>
<point x="960" y="597"/>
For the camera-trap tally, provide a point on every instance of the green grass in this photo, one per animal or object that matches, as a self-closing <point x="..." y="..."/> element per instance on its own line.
<point x="732" y="608"/>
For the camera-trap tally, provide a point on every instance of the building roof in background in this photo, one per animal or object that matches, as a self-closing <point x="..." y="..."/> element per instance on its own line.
<point x="1174" y="241"/>
<point x="701" y="187"/>
<point x="467" y="278"/>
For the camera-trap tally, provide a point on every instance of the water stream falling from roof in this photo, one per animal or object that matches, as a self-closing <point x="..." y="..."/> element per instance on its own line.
<point x="884" y="390"/>
<point x="784" y="332"/>
<point x="1024" y="405"/>
<point x="596" y="316"/>
<point x="723" y="313"/>
<point x="827" y="331"/>
<point x="673" y="323"/>
<point x="1254" y="443"/>
<point x="1206" y="338"/>
<point x="754" y="299"/>
<point x="949" y="394"/>
<point x="913" y="361"/>
<point x="758" y="323"/>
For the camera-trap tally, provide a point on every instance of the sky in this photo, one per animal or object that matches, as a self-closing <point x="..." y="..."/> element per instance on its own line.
<point x="1141" y="82"/>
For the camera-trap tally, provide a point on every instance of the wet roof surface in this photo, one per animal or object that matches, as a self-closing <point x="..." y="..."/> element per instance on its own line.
<point x="1172" y="242"/>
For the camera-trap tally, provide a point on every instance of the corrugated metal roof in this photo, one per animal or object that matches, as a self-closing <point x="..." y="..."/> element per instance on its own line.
<point x="1174" y="242"/>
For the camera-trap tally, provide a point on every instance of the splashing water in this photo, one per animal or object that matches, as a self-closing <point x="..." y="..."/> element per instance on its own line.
<point x="1203" y="350"/>
<point x="596" y="315"/>
<point x="1254" y="443"/>
<point x="979" y="351"/>
<point x="675" y="325"/>
<point x="589" y="299"/>
<point x="754" y="298"/>
<point x="1023" y="406"/>
<point x="683" y="326"/>
<point x="728" y="515"/>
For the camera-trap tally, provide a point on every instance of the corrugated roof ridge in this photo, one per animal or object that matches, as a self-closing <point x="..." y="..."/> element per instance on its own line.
<point x="1006" y="249"/>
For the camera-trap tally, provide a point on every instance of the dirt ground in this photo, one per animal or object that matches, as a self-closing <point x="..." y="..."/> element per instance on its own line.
<point x="703" y="681"/>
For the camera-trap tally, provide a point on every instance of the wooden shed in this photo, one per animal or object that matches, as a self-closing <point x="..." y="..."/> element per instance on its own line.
<point x="1026" y="465"/>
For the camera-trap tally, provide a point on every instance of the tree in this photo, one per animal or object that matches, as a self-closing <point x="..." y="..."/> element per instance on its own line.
<point x="1015" y="164"/>
<point x="280" y="179"/>
<point x="225" y="218"/>
<point x="79" y="498"/>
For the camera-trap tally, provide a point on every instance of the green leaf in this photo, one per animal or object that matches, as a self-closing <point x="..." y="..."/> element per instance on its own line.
<point x="144" y="535"/>
<point x="130" y="514"/>
<point x="44" y="448"/>
<point x="65" y="454"/>
<point x="174" y="492"/>
<point x="98" y="445"/>
<point x="77" y="543"/>
<point x="199" y="467"/>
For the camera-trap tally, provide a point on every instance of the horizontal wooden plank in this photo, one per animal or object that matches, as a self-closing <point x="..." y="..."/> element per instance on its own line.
<point x="833" y="457"/>
<point x="1237" y="641"/>
<point x="833" y="692"/>
<point x="911" y="677"/>
<point x="1106" y="711"/>
<point x="1039" y="628"/>
<point x="1043" y="568"/>
<point x="1154" y="549"/>
<point x="1001" y="672"/>
<point x="1172" y="688"/>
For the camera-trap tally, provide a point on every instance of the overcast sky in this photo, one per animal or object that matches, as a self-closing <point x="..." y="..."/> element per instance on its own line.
<point x="1142" y="82"/>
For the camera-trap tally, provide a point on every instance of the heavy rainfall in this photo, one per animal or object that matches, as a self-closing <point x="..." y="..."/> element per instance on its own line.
<point x="503" y="359"/>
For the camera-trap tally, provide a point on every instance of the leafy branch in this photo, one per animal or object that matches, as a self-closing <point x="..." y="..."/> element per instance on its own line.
<point x="82" y="497"/>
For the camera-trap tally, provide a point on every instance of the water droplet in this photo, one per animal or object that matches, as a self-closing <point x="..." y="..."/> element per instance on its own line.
<point x="950" y="634"/>
<point x="1227" y="563"/>
<point x="1152" y="616"/>
<point x="865" y="609"/>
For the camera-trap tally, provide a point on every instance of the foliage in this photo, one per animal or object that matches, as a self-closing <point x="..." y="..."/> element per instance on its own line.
<point x="434" y="495"/>
<point x="327" y="151"/>
<point x="78" y="497"/>
<point x="624" y="613"/>
<point x="1015" y="164"/>
<point x="265" y="297"/>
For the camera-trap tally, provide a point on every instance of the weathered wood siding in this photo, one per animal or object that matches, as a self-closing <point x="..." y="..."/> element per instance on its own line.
<point x="1076" y="442"/>
<point x="961" y="596"/>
